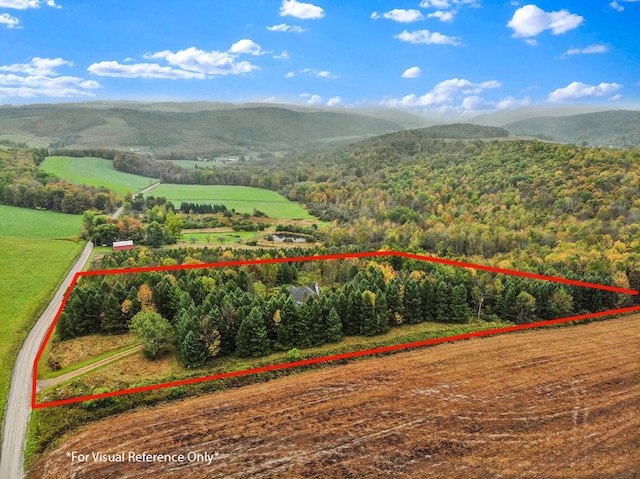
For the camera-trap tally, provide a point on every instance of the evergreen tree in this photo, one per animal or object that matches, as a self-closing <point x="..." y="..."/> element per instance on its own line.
<point x="338" y="301"/>
<point x="443" y="303"/>
<point x="252" y="339"/>
<point x="89" y="320"/>
<point x="394" y="302"/>
<point x="355" y="311"/>
<point x="334" y="327"/>
<point x="428" y="293"/>
<point x="459" y="307"/>
<point x="312" y="309"/>
<point x="113" y="320"/>
<point x="193" y="352"/>
<point x="286" y="333"/>
<point x="369" y="316"/>
<point x="64" y="328"/>
<point x="381" y="313"/>
<point x="412" y="302"/>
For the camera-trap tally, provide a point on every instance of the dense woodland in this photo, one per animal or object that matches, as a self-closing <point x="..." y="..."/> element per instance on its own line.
<point x="23" y="184"/>
<point x="559" y="209"/>
<point x="249" y="311"/>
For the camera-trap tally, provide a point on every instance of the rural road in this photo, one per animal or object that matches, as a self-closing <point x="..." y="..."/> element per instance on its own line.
<point x="18" y="407"/>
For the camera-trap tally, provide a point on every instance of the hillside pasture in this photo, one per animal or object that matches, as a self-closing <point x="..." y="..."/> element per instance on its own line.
<point x="33" y="260"/>
<point x="243" y="199"/>
<point x="16" y="138"/>
<point x="95" y="172"/>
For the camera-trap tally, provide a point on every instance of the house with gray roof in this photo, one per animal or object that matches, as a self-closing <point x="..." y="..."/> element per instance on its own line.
<point x="301" y="293"/>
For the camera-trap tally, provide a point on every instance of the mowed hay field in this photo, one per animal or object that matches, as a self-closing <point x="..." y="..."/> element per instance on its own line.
<point x="34" y="259"/>
<point x="560" y="402"/>
<point x="244" y="199"/>
<point x="95" y="172"/>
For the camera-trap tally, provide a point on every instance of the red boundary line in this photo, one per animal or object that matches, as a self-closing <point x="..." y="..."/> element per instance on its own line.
<point x="367" y="352"/>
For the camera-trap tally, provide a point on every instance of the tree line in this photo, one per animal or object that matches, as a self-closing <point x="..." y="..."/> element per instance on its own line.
<point x="251" y="311"/>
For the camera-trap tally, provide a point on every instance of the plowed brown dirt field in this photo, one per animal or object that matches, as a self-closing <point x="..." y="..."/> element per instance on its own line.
<point x="549" y="403"/>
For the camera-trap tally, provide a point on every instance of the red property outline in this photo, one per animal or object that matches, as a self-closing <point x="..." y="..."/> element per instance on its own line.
<point x="367" y="352"/>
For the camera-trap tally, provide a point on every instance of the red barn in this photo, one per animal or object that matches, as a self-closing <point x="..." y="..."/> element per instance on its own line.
<point x="119" y="245"/>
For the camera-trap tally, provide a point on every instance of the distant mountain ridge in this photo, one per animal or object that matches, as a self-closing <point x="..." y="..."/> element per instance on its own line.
<point x="615" y="128"/>
<point x="189" y="129"/>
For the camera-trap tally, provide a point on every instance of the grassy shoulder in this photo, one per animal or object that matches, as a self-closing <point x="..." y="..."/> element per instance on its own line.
<point x="50" y="424"/>
<point x="33" y="265"/>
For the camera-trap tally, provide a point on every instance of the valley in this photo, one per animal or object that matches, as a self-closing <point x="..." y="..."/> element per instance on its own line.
<point x="461" y="192"/>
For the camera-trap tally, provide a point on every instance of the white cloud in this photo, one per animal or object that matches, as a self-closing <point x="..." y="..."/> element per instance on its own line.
<point x="334" y="101"/>
<point x="314" y="100"/>
<point x="444" y="93"/>
<point x="246" y="46"/>
<point x="530" y="20"/>
<point x="305" y="11"/>
<point x="37" y="66"/>
<point x="38" y="78"/>
<point x="615" y="97"/>
<point x="191" y="63"/>
<point x="9" y="21"/>
<point x="400" y="15"/>
<point x="283" y="56"/>
<point x="576" y="90"/>
<point x="427" y="37"/>
<point x="26" y="4"/>
<point x="141" y="70"/>
<point x="290" y="75"/>
<point x="618" y="7"/>
<point x="413" y="72"/>
<point x="283" y="27"/>
<point x="442" y="15"/>
<point x="210" y="63"/>
<point x="511" y="102"/>
<point x="586" y="51"/>
<point x="319" y="73"/>
<point x="531" y="41"/>
<point x="446" y="9"/>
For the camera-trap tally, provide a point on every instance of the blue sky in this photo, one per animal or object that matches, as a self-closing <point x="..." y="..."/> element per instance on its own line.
<point x="451" y="56"/>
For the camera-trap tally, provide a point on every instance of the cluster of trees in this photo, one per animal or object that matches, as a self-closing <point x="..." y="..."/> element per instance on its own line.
<point x="250" y="311"/>
<point x="104" y="230"/>
<point x="23" y="184"/>
<point x="197" y="208"/>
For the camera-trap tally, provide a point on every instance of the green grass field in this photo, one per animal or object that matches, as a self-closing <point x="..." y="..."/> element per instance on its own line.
<point x="218" y="238"/>
<point x="241" y="198"/>
<point x="32" y="265"/>
<point x="94" y="172"/>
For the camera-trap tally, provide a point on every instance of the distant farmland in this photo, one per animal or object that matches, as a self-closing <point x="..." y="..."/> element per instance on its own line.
<point x="94" y="172"/>
<point x="243" y="199"/>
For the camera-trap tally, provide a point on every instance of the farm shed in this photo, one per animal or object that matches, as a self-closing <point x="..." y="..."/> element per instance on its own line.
<point x="120" y="245"/>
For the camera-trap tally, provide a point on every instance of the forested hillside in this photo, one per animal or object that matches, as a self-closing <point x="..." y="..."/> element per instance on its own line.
<point x="530" y="204"/>
<point x="538" y="205"/>
<point x="616" y="128"/>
